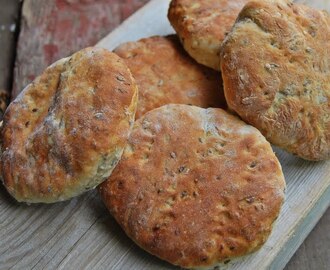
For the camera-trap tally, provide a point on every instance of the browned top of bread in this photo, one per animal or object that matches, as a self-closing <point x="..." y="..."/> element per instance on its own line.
<point x="276" y="72"/>
<point x="66" y="131"/>
<point x="195" y="186"/>
<point x="202" y="26"/>
<point x="165" y="74"/>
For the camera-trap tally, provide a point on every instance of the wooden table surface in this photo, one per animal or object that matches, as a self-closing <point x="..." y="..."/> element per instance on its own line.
<point x="32" y="56"/>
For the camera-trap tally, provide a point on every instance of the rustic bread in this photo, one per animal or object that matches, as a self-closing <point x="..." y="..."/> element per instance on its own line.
<point x="66" y="131"/>
<point x="276" y="72"/>
<point x="165" y="74"/>
<point x="195" y="186"/>
<point x="202" y="26"/>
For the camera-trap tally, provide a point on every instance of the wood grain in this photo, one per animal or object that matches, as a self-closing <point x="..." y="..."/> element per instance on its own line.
<point x="314" y="253"/>
<point x="81" y="234"/>
<point x="54" y="29"/>
<point x="320" y="4"/>
<point x="9" y="20"/>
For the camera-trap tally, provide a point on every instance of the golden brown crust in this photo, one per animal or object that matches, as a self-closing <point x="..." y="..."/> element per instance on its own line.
<point x="66" y="131"/>
<point x="165" y="74"/>
<point x="275" y="67"/>
<point x="202" y="26"/>
<point x="195" y="186"/>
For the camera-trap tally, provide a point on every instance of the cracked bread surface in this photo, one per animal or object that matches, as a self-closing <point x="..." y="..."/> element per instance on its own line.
<point x="276" y="73"/>
<point x="195" y="186"/>
<point x="202" y="26"/>
<point x="66" y="131"/>
<point x="166" y="74"/>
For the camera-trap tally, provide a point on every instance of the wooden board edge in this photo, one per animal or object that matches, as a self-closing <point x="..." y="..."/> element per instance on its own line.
<point x="117" y="31"/>
<point x="134" y="24"/>
<point x="301" y="231"/>
<point x="10" y="15"/>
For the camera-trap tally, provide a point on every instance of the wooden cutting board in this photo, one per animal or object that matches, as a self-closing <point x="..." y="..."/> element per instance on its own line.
<point x="81" y="234"/>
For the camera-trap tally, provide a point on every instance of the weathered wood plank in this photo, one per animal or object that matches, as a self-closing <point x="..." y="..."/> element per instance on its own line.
<point x="9" y="15"/>
<point x="81" y="234"/>
<point x="54" y="29"/>
<point x="314" y="253"/>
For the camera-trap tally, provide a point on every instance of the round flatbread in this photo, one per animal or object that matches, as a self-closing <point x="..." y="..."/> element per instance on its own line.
<point x="66" y="131"/>
<point x="202" y="26"/>
<point x="166" y="74"/>
<point x="195" y="186"/>
<point x="275" y="67"/>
